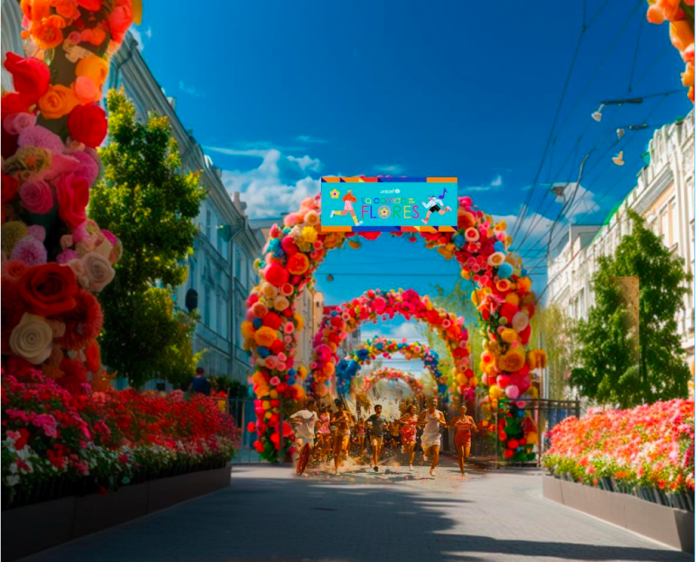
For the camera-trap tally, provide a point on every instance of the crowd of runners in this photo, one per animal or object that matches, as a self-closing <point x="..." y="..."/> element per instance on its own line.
<point x="332" y="436"/>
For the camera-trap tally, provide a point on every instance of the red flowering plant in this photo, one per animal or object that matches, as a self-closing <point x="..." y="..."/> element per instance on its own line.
<point x="651" y="446"/>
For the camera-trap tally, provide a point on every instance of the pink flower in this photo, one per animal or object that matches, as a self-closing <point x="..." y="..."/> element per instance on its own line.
<point x="18" y="122"/>
<point x="29" y="251"/>
<point x="88" y="168"/>
<point x="40" y="137"/>
<point x="72" y="192"/>
<point x="275" y="381"/>
<point x="65" y="256"/>
<point x="38" y="232"/>
<point x="36" y="196"/>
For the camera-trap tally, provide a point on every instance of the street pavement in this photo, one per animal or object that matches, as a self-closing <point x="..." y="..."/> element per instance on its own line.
<point x="270" y="515"/>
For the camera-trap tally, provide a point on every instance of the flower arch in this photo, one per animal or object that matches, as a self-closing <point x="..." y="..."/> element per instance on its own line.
<point x="346" y="370"/>
<point x="295" y="249"/>
<point x="387" y="373"/>
<point x="375" y="305"/>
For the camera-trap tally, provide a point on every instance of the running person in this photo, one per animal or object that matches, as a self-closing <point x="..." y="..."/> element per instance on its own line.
<point x="435" y="205"/>
<point x="432" y="419"/>
<point x="408" y="433"/>
<point x="324" y="433"/>
<point x="376" y="424"/>
<point x="342" y="420"/>
<point x="462" y="439"/>
<point x="348" y="200"/>
<point x="305" y="421"/>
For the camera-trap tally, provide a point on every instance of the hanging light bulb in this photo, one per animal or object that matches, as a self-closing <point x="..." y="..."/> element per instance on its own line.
<point x="620" y="133"/>
<point x="597" y="115"/>
<point x="618" y="159"/>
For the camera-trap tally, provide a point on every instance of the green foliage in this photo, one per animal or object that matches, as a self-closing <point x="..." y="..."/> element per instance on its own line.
<point x="611" y="371"/>
<point x="235" y="388"/>
<point x="147" y="202"/>
<point x="558" y="340"/>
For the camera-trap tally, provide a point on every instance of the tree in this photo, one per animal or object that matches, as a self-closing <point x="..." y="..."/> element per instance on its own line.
<point x="149" y="205"/>
<point x="611" y="371"/>
<point x="556" y="330"/>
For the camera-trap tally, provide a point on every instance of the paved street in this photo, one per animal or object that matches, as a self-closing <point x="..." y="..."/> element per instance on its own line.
<point x="269" y="515"/>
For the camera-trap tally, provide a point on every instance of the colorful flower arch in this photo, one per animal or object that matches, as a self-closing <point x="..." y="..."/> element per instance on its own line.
<point x="294" y="251"/>
<point x="389" y="374"/>
<point x="347" y="369"/>
<point x="375" y="305"/>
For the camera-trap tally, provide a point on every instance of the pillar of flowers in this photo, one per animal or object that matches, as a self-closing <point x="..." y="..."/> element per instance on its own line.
<point x="53" y="257"/>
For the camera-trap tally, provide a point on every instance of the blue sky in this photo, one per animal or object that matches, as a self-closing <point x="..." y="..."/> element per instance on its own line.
<point x="279" y="93"/>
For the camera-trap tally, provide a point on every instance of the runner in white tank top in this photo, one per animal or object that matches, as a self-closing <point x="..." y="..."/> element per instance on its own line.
<point x="432" y="419"/>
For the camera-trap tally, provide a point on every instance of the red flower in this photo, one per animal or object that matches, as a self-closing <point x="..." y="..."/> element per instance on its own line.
<point x="82" y="323"/>
<point x="9" y="188"/>
<point x="90" y="5"/>
<point x="14" y="102"/>
<point x="31" y="76"/>
<point x="93" y="356"/>
<point x="72" y="192"/>
<point x="87" y="124"/>
<point x="48" y="289"/>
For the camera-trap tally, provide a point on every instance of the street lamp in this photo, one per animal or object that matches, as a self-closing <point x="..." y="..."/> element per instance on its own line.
<point x="597" y="115"/>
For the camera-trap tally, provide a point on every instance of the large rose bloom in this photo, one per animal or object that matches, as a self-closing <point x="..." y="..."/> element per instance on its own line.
<point x="72" y="192"/>
<point x="48" y="289"/>
<point x="98" y="270"/>
<point x="32" y="339"/>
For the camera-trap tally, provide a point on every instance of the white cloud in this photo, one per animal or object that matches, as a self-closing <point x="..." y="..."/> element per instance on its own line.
<point x="494" y="185"/>
<point x="390" y="169"/>
<point x="306" y="163"/>
<point x="309" y="139"/>
<point x="191" y="90"/>
<point x="137" y="32"/>
<point x="263" y="188"/>
<point x="583" y="201"/>
<point x="408" y="330"/>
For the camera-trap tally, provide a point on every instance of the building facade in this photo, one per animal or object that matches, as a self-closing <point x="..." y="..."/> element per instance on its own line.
<point x="220" y="267"/>
<point x="664" y="196"/>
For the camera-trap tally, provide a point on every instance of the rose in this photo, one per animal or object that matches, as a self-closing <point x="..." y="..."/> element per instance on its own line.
<point x="57" y="102"/>
<point x="31" y="76"/>
<point x="93" y="67"/>
<point x="36" y="196"/>
<point x="17" y="122"/>
<point x="9" y="188"/>
<point x="90" y="5"/>
<point x="87" y="124"/>
<point x="32" y="339"/>
<point x="72" y="192"/>
<point x="86" y="90"/>
<point x="120" y="19"/>
<point x="78" y="269"/>
<point x="48" y="289"/>
<point x="98" y="271"/>
<point x="14" y="102"/>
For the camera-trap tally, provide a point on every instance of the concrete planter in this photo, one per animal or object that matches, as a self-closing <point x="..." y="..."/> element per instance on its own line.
<point x="674" y="527"/>
<point x="30" y="529"/>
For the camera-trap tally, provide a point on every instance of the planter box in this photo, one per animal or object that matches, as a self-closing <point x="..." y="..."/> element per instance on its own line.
<point x="30" y="529"/>
<point x="674" y="527"/>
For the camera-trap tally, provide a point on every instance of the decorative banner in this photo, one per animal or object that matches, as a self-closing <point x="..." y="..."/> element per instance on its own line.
<point x="381" y="204"/>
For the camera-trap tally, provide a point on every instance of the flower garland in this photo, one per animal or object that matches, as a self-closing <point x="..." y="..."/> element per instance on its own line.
<point x="347" y="369"/>
<point x="53" y="257"/>
<point x="680" y="15"/>
<point x="647" y="446"/>
<point x="297" y="247"/>
<point x="389" y="374"/>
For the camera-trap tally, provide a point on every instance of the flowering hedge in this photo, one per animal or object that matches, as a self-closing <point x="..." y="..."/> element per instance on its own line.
<point x="104" y="440"/>
<point x="346" y="370"/>
<point x="648" y="446"/>
<point x="389" y="374"/>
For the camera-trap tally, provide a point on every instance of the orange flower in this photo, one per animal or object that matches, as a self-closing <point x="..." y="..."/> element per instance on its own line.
<point x="66" y="8"/>
<point x="512" y="361"/>
<point x="93" y="67"/>
<point x="48" y="34"/>
<point x="95" y="36"/>
<point x="36" y="10"/>
<point x="57" y="102"/>
<point x="86" y="90"/>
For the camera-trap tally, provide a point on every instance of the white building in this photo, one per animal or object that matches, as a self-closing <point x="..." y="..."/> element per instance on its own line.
<point x="664" y="196"/>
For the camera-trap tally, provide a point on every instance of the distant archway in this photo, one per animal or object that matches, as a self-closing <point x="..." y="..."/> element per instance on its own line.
<point x="348" y="369"/>
<point x="297" y="247"/>
<point x="387" y="373"/>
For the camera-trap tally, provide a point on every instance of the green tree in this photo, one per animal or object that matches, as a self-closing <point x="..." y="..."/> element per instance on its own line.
<point x="149" y="204"/>
<point x="555" y="329"/>
<point x="631" y="367"/>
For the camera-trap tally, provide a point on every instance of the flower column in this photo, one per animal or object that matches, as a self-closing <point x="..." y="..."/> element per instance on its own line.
<point x="53" y="257"/>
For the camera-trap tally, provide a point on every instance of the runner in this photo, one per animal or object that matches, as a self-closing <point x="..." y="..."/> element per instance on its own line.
<point x="462" y="439"/>
<point x="376" y="424"/>
<point x="361" y="430"/>
<point x="395" y="435"/>
<point x="342" y="420"/>
<point x="432" y="419"/>
<point x="324" y="433"/>
<point x="304" y="420"/>
<point x="408" y="433"/>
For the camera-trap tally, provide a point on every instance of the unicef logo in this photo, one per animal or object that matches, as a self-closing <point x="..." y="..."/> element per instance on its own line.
<point x="384" y="212"/>
<point x="397" y="190"/>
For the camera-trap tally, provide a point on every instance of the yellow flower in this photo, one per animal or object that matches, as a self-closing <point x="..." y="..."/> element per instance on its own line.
<point x="508" y="335"/>
<point x="248" y="330"/>
<point x="335" y="194"/>
<point x="12" y="232"/>
<point x="512" y="361"/>
<point x="333" y="240"/>
<point x="93" y="67"/>
<point x="265" y="336"/>
<point x="309" y="234"/>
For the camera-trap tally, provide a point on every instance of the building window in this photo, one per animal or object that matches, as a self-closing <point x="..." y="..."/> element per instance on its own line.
<point x="208" y="220"/>
<point x="192" y="274"/>
<point x="206" y="306"/>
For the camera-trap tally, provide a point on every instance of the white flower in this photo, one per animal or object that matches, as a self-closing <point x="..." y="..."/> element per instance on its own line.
<point x="32" y="339"/>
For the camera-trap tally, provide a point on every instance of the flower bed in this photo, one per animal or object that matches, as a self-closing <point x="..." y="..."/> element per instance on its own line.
<point x="56" y="444"/>
<point x="647" y="451"/>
